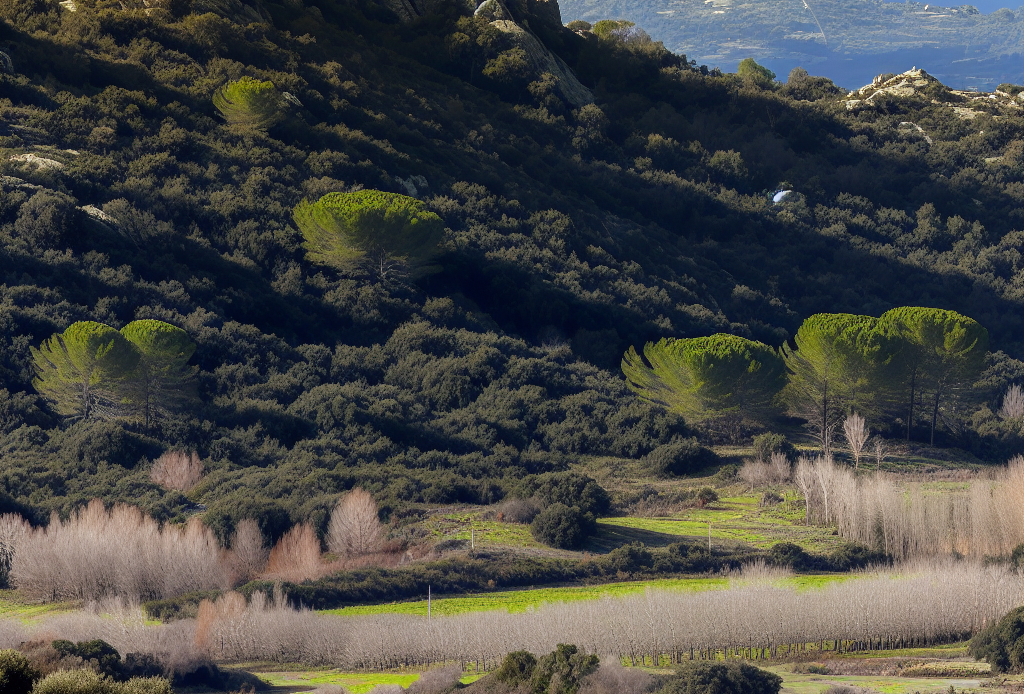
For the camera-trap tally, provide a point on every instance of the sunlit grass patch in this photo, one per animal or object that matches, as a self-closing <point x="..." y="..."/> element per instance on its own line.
<point x="355" y="682"/>
<point x="12" y="606"/>
<point x="521" y="600"/>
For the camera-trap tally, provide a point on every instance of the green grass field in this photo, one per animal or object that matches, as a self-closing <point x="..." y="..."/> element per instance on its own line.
<point x="484" y="533"/>
<point x="13" y="607"/>
<point x="355" y="682"/>
<point x="734" y="520"/>
<point x="521" y="600"/>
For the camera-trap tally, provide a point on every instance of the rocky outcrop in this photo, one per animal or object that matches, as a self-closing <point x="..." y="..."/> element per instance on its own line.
<point x="251" y="12"/>
<point x="917" y="82"/>
<point x="543" y="60"/>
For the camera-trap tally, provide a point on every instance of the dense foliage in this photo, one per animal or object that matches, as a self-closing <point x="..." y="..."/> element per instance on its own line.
<point x="571" y="232"/>
<point x="704" y="677"/>
<point x="1001" y="643"/>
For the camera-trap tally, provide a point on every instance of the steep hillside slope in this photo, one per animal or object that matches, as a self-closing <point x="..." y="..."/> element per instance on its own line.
<point x="574" y="231"/>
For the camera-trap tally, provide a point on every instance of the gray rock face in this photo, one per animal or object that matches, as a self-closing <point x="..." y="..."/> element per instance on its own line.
<point x="543" y="60"/>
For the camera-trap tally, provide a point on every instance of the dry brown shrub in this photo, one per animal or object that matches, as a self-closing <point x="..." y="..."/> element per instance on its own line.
<point x="177" y="470"/>
<point x="249" y="552"/>
<point x="436" y="681"/>
<point x="355" y="528"/>
<point x="514" y="510"/>
<point x="612" y="678"/>
<point x="44" y="657"/>
<point x="296" y="556"/>
<point x="227" y="607"/>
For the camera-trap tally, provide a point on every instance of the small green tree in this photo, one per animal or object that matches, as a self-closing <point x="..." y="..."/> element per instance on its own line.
<point x="248" y="104"/>
<point x="707" y="377"/>
<point x="752" y="73"/>
<point x="82" y="370"/>
<point x="16" y="674"/>
<point x="566" y="527"/>
<point x="385" y="232"/>
<point x="162" y="381"/>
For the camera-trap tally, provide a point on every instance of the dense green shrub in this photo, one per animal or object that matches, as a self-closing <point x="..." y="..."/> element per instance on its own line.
<point x="568" y="488"/>
<point x="97" y="654"/>
<point x="566" y="527"/>
<point x="89" y="682"/>
<point x="681" y="457"/>
<point x="1001" y="644"/>
<point x="768" y="443"/>
<point x="16" y="674"/>
<point x="516" y="668"/>
<point x="562" y="670"/>
<point x="708" y="677"/>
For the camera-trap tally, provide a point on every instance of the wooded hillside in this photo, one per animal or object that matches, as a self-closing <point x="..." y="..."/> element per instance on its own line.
<point x="596" y="191"/>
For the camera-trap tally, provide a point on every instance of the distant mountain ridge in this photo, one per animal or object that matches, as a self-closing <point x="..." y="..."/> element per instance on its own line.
<point x="849" y="42"/>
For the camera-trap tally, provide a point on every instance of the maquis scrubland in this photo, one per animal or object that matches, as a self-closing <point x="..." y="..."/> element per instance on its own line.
<point x="419" y="248"/>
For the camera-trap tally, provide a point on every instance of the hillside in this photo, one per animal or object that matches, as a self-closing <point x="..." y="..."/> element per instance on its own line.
<point x="849" y="41"/>
<point x="574" y="229"/>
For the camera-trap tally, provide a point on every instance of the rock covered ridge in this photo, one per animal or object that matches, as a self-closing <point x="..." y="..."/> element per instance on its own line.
<point x="917" y="82"/>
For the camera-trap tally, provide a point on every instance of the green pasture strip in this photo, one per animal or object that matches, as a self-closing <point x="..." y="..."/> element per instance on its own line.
<point x="521" y="600"/>
<point x="13" y="607"/>
<point x="759" y="532"/>
<point x="355" y="682"/>
<point x="485" y="533"/>
<point x="795" y="683"/>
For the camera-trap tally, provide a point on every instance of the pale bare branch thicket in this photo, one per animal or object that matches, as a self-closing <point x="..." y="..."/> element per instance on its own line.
<point x="436" y="681"/>
<point x="760" y="571"/>
<point x="906" y="519"/>
<point x="914" y="604"/>
<point x="1013" y="404"/>
<point x="779" y="469"/>
<point x="98" y="553"/>
<point x="768" y="473"/>
<point x="177" y="470"/>
<point x="249" y="552"/>
<point x="296" y="556"/>
<point x="855" y="430"/>
<point x="355" y="528"/>
<point x="612" y="678"/>
<point x="12" y="529"/>
<point x="125" y="627"/>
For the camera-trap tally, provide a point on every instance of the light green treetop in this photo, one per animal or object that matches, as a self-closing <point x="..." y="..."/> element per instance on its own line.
<point x="384" y="231"/>
<point x="161" y="382"/>
<point x="940" y="351"/>
<point x="80" y="370"/>
<point x="249" y="104"/>
<point x="706" y="377"/>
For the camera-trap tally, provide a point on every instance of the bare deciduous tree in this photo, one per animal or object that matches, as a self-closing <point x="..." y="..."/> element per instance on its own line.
<point x="779" y="468"/>
<point x="249" y="552"/>
<point x="177" y="470"/>
<point x="355" y="529"/>
<point x="856" y="432"/>
<point x="296" y="556"/>
<point x="97" y="553"/>
<point x="880" y="450"/>
<point x="1013" y="404"/>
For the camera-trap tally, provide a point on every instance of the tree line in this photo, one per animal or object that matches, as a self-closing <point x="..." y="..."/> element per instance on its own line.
<point x="889" y="369"/>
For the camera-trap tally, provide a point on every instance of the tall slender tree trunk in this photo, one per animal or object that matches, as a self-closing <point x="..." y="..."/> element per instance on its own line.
<point x="935" y="415"/>
<point x="910" y="414"/>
